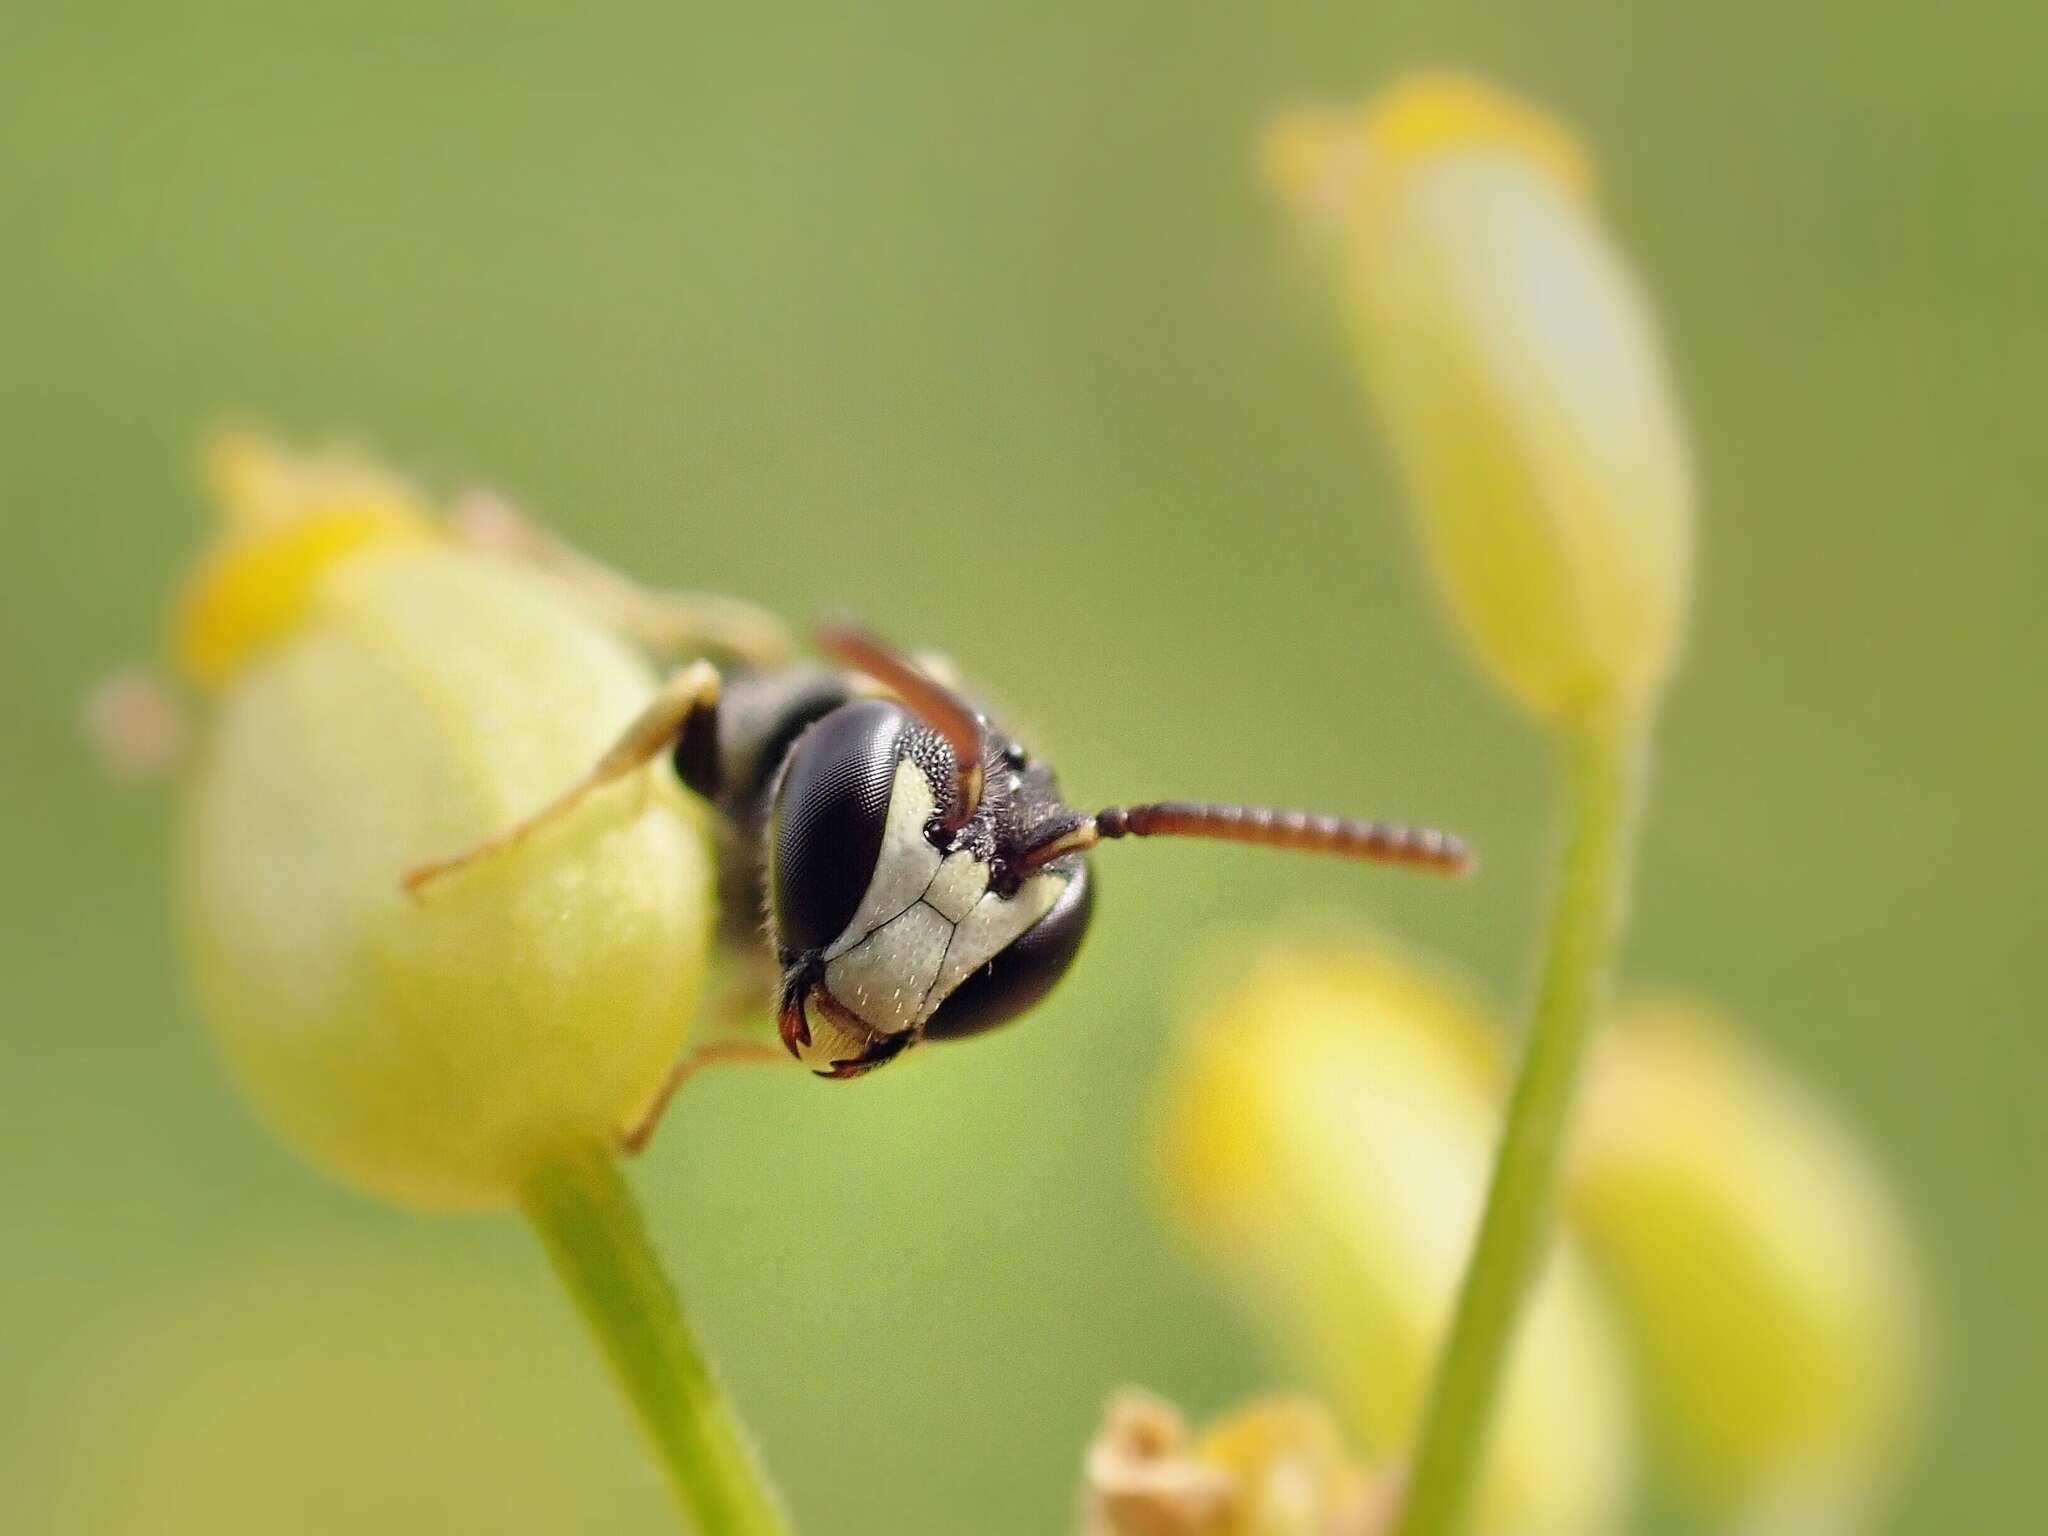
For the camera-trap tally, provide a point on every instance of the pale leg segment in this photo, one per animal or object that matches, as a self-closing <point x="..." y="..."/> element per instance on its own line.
<point x="654" y="730"/>
<point x="668" y="625"/>
<point x="719" y="1053"/>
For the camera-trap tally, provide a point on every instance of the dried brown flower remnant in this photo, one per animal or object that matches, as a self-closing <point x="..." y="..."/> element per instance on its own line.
<point x="1274" y="1468"/>
<point x="1141" y="1477"/>
<point x="136" y="724"/>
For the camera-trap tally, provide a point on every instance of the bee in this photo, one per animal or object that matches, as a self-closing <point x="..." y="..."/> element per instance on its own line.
<point x="922" y="876"/>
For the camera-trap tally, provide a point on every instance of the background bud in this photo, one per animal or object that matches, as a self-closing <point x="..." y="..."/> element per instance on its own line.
<point x="1763" y="1269"/>
<point x="393" y="702"/>
<point x="1517" y="371"/>
<point x="1327" y="1134"/>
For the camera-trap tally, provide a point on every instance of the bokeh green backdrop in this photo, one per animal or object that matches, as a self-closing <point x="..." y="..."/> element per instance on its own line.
<point x="972" y="318"/>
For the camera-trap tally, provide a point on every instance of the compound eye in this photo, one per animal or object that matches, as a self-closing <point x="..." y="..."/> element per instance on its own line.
<point x="1016" y="979"/>
<point x="831" y="807"/>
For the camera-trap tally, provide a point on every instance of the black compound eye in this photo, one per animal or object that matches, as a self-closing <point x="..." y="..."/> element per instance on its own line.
<point x="830" y="811"/>
<point x="1017" y="978"/>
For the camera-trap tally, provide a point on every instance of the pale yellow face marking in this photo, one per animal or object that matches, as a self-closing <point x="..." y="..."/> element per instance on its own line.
<point x="989" y="929"/>
<point x="885" y="977"/>
<point x="962" y="881"/>
<point x="905" y="864"/>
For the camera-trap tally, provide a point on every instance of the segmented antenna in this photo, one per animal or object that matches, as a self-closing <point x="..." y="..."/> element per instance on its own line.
<point x="1344" y="837"/>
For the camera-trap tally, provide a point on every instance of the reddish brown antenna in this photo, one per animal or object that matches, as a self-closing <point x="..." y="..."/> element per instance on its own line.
<point x="925" y="697"/>
<point x="1344" y="837"/>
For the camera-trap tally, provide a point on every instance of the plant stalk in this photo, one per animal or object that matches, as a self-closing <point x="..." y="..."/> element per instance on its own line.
<point x="584" y="1214"/>
<point x="1607" y="772"/>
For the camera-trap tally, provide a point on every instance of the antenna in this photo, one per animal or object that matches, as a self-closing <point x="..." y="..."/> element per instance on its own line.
<point x="1344" y="837"/>
<point x="925" y="697"/>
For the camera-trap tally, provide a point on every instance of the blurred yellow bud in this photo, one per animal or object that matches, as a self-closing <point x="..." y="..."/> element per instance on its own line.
<point x="1272" y="1468"/>
<point x="385" y="698"/>
<point x="1517" y="370"/>
<point x="1327" y="1135"/>
<point x="1762" y="1266"/>
<point x="285" y="519"/>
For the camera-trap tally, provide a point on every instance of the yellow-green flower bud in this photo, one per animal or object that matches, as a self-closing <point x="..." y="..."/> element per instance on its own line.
<point x="384" y="698"/>
<point x="1517" y="371"/>
<point x="1762" y="1266"/>
<point x="1327" y="1134"/>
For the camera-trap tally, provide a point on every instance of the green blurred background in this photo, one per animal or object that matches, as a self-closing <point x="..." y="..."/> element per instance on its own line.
<point x="974" y="319"/>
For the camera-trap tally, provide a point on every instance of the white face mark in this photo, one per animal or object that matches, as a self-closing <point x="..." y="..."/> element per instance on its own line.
<point x="992" y="927"/>
<point x="962" y="881"/>
<point x="885" y="977"/>
<point x="906" y="863"/>
<point x="925" y="924"/>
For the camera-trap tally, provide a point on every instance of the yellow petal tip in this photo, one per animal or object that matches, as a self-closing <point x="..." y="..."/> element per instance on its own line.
<point x="1318" y="159"/>
<point x="286" y="519"/>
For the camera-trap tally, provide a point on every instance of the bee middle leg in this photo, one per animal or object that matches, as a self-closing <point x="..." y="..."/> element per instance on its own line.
<point x="718" y="1053"/>
<point x="670" y="626"/>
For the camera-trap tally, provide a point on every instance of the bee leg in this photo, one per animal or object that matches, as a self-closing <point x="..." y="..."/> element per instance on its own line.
<point x="669" y="626"/>
<point x="719" y="1053"/>
<point x="684" y="712"/>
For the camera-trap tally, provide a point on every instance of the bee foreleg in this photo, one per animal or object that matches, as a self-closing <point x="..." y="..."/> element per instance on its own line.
<point x="685" y="710"/>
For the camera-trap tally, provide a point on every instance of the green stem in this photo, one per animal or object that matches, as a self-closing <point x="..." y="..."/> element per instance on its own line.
<point x="1608" y="770"/>
<point x="580" y="1205"/>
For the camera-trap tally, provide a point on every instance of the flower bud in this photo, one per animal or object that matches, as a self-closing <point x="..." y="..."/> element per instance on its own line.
<point x="1516" y="369"/>
<point x="384" y="698"/>
<point x="1327" y="1136"/>
<point x="1762" y="1267"/>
